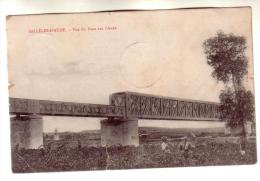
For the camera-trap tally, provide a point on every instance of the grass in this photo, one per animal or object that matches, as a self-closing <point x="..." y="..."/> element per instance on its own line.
<point x="147" y="155"/>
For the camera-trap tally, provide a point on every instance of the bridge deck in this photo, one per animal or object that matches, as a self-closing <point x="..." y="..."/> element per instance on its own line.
<point x="58" y="108"/>
<point x="123" y="105"/>
<point x="146" y="106"/>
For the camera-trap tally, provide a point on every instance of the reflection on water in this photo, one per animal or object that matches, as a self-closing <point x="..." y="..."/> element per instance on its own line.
<point x="77" y="124"/>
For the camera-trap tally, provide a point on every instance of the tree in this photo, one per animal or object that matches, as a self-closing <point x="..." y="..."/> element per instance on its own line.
<point x="225" y="53"/>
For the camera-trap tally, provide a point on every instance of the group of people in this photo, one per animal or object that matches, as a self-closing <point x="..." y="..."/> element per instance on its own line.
<point x="186" y="146"/>
<point x="189" y="143"/>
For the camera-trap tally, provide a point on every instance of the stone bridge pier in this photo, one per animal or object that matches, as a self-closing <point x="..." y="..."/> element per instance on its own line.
<point x="122" y="131"/>
<point x="27" y="131"/>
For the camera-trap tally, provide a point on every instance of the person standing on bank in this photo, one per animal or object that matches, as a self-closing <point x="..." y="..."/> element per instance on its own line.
<point x="165" y="145"/>
<point x="187" y="145"/>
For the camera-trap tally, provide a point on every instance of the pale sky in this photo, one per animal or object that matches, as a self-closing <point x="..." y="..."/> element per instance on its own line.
<point x="155" y="52"/>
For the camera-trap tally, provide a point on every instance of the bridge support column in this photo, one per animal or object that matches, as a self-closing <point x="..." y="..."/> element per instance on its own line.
<point x="27" y="131"/>
<point x="119" y="132"/>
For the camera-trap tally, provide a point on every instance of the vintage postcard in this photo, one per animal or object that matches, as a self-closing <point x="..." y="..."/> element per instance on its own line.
<point x="131" y="89"/>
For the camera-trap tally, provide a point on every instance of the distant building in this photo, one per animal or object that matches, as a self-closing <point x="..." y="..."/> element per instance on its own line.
<point x="235" y="131"/>
<point x="249" y="128"/>
<point x="56" y="135"/>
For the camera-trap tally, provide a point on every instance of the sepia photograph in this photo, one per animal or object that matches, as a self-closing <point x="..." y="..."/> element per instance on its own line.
<point x="131" y="89"/>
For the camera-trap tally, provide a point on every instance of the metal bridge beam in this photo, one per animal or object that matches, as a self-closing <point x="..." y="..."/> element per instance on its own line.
<point x="58" y="108"/>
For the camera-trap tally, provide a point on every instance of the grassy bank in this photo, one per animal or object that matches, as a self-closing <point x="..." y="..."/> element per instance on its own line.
<point x="148" y="155"/>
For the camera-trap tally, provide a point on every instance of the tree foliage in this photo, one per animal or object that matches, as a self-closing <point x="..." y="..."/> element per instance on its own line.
<point x="236" y="109"/>
<point x="226" y="54"/>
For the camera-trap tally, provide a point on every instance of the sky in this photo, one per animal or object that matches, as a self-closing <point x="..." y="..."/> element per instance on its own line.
<point x="155" y="52"/>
